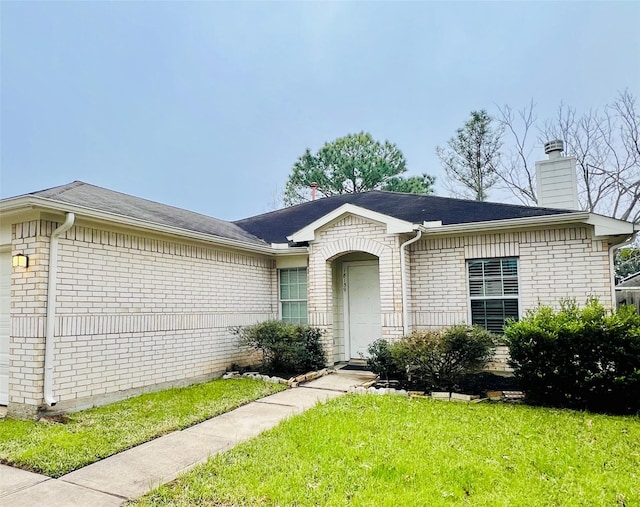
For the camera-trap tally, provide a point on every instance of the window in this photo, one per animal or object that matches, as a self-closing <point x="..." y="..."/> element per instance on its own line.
<point x="493" y="292"/>
<point x="293" y="295"/>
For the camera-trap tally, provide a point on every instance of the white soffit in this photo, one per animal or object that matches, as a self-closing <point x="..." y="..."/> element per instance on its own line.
<point x="394" y="225"/>
<point x="605" y="226"/>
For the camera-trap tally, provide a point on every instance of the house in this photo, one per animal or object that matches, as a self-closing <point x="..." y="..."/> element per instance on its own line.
<point x="627" y="291"/>
<point x="105" y="295"/>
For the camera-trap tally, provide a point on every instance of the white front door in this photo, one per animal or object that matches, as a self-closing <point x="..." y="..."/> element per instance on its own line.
<point x="362" y="306"/>
<point x="5" y="324"/>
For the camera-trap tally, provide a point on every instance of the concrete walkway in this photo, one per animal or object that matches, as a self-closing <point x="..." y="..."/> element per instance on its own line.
<point x="134" y="472"/>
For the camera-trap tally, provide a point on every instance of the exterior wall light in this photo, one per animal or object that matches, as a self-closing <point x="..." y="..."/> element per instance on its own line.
<point x="20" y="260"/>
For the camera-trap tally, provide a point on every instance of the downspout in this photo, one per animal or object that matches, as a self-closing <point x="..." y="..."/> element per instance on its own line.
<point x="612" y="269"/>
<point x="403" y="274"/>
<point x="49" y="347"/>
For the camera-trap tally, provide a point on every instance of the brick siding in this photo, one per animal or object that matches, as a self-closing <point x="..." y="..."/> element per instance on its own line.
<point x="553" y="264"/>
<point x="564" y="262"/>
<point x="347" y="235"/>
<point x="137" y="311"/>
<point x="133" y="312"/>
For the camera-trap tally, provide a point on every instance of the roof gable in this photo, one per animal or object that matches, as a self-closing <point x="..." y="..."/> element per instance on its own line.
<point x="394" y="225"/>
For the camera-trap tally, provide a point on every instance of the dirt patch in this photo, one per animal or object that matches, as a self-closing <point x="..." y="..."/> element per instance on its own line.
<point x="55" y="419"/>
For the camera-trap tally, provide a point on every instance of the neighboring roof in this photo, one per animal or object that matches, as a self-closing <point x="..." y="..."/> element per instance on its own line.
<point x="274" y="227"/>
<point x="630" y="281"/>
<point x="92" y="197"/>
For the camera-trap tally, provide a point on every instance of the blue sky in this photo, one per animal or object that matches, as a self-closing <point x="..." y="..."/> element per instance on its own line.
<point x="207" y="105"/>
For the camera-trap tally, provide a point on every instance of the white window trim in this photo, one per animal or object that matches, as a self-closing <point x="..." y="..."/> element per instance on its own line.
<point x="484" y="298"/>
<point x="280" y="300"/>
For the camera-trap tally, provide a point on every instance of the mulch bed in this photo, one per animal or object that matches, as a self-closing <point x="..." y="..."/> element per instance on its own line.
<point x="472" y="383"/>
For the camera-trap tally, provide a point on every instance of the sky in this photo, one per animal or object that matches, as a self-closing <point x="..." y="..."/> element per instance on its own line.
<point x="207" y="105"/>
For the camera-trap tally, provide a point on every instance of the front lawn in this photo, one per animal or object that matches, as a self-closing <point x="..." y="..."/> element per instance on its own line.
<point x="391" y="451"/>
<point x="81" y="438"/>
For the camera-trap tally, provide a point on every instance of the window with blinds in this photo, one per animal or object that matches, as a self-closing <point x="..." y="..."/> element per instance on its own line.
<point x="493" y="292"/>
<point x="293" y="295"/>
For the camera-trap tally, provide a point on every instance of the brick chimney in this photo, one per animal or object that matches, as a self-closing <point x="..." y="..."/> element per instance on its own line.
<point x="556" y="179"/>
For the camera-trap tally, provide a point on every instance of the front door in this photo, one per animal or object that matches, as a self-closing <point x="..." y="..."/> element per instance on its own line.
<point x="5" y="324"/>
<point x="362" y="306"/>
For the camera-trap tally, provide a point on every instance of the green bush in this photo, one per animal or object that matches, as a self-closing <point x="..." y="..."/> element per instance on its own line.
<point x="433" y="360"/>
<point x="582" y="358"/>
<point x="285" y="347"/>
<point x="380" y="361"/>
<point x="439" y="359"/>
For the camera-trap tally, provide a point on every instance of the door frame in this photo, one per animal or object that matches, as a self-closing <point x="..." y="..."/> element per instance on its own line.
<point x="345" y="301"/>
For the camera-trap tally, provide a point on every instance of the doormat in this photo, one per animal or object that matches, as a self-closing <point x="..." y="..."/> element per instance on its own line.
<point x="356" y="367"/>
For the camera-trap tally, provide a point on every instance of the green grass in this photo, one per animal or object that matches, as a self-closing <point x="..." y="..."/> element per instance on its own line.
<point x="391" y="451"/>
<point x="55" y="449"/>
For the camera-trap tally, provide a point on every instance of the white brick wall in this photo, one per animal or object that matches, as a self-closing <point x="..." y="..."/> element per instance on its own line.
<point x="347" y="235"/>
<point x="552" y="263"/>
<point x="561" y="263"/>
<point x="437" y="282"/>
<point x="133" y="312"/>
<point x="500" y="361"/>
<point x="137" y="311"/>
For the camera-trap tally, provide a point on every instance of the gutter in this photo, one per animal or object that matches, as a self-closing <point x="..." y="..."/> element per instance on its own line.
<point x="603" y="226"/>
<point x="137" y="223"/>
<point x="49" y="349"/>
<point x="612" y="270"/>
<point x="510" y="223"/>
<point x="403" y="274"/>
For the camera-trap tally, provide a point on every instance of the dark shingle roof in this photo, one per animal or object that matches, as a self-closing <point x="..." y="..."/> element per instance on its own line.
<point x="274" y="227"/>
<point x="100" y="199"/>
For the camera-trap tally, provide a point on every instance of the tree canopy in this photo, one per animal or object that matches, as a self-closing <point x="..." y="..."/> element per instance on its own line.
<point x="351" y="164"/>
<point x="627" y="262"/>
<point x="471" y="156"/>
<point x="422" y="185"/>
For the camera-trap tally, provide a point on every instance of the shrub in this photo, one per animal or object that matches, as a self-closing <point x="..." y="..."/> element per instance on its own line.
<point x="380" y="361"/>
<point x="285" y="347"/>
<point x="440" y="358"/>
<point x="585" y="358"/>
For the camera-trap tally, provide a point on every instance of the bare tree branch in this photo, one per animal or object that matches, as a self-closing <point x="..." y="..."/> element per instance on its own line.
<point x="606" y="146"/>
<point x="515" y="172"/>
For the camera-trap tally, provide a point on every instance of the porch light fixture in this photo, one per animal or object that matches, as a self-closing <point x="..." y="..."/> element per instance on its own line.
<point x="20" y="260"/>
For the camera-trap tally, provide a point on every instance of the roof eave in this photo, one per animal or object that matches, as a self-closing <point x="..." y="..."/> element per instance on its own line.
<point x="603" y="226"/>
<point x="28" y="203"/>
<point x="284" y="249"/>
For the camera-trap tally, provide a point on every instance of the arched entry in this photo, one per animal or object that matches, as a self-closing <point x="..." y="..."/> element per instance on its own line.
<point x="356" y="304"/>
